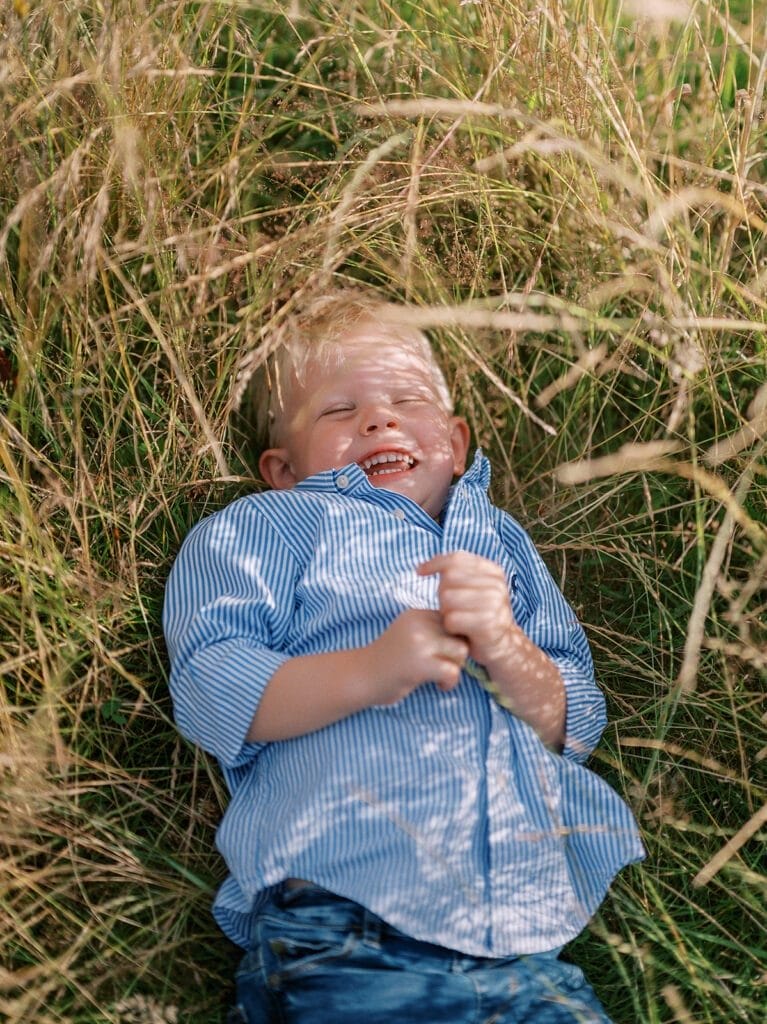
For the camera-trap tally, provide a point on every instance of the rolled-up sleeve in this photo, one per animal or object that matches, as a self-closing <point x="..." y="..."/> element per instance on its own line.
<point x="228" y="606"/>
<point x="549" y="621"/>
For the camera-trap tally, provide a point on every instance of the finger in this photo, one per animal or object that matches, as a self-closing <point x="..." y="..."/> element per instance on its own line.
<point x="468" y="622"/>
<point x="477" y="577"/>
<point x="439" y="563"/>
<point x="447" y="687"/>
<point x="453" y="649"/>
<point x="492" y="596"/>
<point x="488" y="600"/>
<point x="447" y="675"/>
<point x="430" y="619"/>
<point x="464" y="621"/>
<point x="448" y="559"/>
<point x="490" y="607"/>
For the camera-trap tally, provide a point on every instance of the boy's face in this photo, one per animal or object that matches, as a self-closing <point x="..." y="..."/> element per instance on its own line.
<point x="377" y="405"/>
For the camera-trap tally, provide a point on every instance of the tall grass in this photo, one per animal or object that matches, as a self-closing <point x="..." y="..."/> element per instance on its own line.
<point x="573" y="198"/>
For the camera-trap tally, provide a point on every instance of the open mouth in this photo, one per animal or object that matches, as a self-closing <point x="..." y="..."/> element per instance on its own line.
<point x="386" y="463"/>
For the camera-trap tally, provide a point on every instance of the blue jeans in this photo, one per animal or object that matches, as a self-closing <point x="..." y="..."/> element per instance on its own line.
<point x="321" y="959"/>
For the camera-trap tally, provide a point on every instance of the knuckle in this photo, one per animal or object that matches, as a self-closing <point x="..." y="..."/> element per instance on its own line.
<point x="455" y="623"/>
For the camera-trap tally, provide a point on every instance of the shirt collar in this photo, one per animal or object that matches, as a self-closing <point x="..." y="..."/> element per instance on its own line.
<point x="477" y="474"/>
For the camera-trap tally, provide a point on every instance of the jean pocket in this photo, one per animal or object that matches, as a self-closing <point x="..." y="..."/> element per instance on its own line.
<point x="554" y="977"/>
<point x="566" y="985"/>
<point x="291" y="952"/>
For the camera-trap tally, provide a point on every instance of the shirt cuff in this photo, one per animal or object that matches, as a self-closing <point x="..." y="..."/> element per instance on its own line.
<point x="219" y="690"/>
<point x="585" y="717"/>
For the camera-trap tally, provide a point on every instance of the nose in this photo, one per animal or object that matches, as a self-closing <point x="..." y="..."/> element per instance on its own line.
<point x="377" y="417"/>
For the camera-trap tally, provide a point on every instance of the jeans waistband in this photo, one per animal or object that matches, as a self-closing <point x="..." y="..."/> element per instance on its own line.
<point x="296" y="892"/>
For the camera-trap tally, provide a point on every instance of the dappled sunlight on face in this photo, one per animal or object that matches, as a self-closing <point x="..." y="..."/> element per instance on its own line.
<point x="376" y="401"/>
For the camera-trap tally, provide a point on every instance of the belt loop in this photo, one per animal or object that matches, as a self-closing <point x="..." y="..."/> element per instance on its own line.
<point x="372" y="927"/>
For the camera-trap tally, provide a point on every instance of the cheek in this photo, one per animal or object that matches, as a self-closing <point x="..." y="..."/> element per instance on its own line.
<point x="436" y="437"/>
<point x="330" y="445"/>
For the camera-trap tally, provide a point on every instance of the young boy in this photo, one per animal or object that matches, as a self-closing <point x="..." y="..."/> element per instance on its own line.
<point x="402" y="845"/>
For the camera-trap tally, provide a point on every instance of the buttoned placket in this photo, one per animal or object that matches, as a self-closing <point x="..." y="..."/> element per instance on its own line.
<point x="352" y="482"/>
<point x="468" y="506"/>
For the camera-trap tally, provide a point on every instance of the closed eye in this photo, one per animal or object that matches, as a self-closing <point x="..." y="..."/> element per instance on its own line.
<point x="333" y="410"/>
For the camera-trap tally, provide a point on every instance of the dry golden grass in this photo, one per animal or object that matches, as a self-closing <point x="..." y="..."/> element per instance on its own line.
<point x="573" y="200"/>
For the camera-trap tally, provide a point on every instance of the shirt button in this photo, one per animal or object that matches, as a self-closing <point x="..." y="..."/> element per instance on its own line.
<point x="399" y="513"/>
<point x="343" y="480"/>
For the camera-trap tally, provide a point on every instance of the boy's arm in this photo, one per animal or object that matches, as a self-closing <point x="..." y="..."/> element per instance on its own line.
<point x="228" y="610"/>
<point x="549" y="621"/>
<point x="474" y="602"/>
<point x="315" y="690"/>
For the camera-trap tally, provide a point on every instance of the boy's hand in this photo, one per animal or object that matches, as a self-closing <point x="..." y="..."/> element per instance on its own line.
<point x="474" y="603"/>
<point x="415" y="649"/>
<point x="311" y="691"/>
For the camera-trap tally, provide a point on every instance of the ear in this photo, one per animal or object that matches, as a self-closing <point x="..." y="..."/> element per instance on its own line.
<point x="460" y="436"/>
<point x="276" y="469"/>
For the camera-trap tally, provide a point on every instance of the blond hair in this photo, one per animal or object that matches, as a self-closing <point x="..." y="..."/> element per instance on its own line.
<point x="318" y="331"/>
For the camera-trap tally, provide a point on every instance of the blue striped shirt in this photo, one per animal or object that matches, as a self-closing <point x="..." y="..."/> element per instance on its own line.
<point x="443" y="814"/>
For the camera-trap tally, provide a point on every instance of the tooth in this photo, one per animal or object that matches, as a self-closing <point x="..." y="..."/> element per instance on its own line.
<point x="387" y="458"/>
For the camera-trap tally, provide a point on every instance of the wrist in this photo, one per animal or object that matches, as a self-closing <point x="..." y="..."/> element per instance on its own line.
<point x="311" y="691"/>
<point x="368" y="664"/>
<point x="517" y="663"/>
<point x="507" y="650"/>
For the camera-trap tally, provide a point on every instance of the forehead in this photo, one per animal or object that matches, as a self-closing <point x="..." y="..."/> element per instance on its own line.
<point x="371" y="357"/>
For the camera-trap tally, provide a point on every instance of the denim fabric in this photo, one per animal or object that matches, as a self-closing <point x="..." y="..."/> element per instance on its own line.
<point x="320" y="959"/>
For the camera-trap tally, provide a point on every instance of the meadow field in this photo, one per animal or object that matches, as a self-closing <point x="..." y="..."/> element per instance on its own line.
<point x="571" y="197"/>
